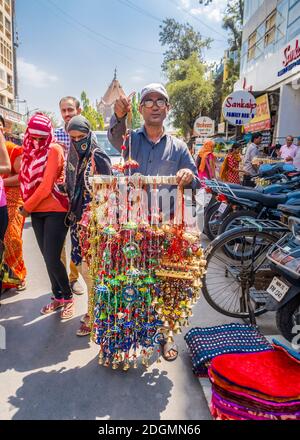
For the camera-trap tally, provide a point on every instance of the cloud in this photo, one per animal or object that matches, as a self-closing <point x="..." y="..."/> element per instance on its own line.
<point x="32" y="75"/>
<point x="213" y="12"/>
<point x="137" y="79"/>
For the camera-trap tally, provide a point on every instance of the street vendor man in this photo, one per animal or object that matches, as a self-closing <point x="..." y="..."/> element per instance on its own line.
<point x="157" y="153"/>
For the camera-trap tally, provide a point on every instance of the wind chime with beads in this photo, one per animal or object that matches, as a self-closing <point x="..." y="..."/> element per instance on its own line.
<point x="147" y="274"/>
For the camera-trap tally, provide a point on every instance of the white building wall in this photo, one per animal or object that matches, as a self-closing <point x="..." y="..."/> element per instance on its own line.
<point x="289" y="111"/>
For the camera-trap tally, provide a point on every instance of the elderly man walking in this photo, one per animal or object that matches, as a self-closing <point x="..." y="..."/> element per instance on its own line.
<point x="157" y="153"/>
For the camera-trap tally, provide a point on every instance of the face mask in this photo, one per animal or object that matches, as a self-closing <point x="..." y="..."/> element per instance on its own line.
<point x="81" y="146"/>
<point x="38" y="144"/>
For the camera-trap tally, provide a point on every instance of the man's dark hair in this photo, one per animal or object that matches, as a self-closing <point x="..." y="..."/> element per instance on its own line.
<point x="2" y="120"/>
<point x="290" y="136"/>
<point x="75" y="100"/>
<point x="256" y="136"/>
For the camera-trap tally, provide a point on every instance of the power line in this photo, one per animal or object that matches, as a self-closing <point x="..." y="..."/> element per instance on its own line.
<point x="198" y="19"/>
<point x="118" y="43"/>
<point x="137" y="8"/>
<point x="100" y="43"/>
<point x="146" y="13"/>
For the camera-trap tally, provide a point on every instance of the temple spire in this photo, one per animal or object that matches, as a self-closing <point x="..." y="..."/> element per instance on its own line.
<point x="115" y="77"/>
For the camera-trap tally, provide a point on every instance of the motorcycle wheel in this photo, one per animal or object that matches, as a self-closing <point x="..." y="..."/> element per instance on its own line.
<point x="288" y="318"/>
<point x="233" y="220"/>
<point x="210" y="215"/>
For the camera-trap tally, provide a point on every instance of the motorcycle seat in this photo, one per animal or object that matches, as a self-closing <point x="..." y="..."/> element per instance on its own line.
<point x="293" y="210"/>
<point x="268" y="200"/>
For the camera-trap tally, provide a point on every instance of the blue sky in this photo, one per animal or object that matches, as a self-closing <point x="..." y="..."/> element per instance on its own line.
<point x="67" y="46"/>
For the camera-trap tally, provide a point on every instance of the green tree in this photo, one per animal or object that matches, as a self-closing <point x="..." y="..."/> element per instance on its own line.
<point x="233" y="23"/>
<point x="190" y="90"/>
<point x="233" y="76"/>
<point x="52" y="117"/>
<point x="91" y="114"/>
<point x="136" y="116"/>
<point x="18" y="128"/>
<point x="181" y="41"/>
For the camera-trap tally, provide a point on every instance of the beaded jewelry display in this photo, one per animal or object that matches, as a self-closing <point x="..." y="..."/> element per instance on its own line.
<point x="147" y="274"/>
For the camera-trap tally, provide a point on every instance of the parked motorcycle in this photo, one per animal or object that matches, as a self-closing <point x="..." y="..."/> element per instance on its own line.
<point x="224" y="207"/>
<point x="283" y="294"/>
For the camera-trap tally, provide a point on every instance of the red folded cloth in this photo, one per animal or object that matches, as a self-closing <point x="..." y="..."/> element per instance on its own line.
<point x="272" y="373"/>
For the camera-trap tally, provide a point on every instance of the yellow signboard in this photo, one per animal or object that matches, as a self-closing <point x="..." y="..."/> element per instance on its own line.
<point x="262" y="119"/>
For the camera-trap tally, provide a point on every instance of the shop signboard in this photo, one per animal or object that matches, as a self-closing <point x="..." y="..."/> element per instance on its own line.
<point x="221" y="127"/>
<point x="204" y="127"/>
<point x="262" y="120"/>
<point x="290" y="57"/>
<point x="239" y="108"/>
<point x="11" y="116"/>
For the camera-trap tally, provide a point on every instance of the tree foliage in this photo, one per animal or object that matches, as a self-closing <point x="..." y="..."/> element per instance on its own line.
<point x="232" y="21"/>
<point x="91" y="114"/>
<point x="52" y="117"/>
<point x="181" y="41"/>
<point x="190" y="91"/>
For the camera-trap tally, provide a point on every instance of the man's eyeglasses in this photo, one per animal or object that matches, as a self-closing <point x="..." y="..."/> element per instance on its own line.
<point x="149" y="103"/>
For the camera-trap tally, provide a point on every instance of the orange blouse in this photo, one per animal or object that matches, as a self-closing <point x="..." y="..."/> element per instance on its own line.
<point x="42" y="199"/>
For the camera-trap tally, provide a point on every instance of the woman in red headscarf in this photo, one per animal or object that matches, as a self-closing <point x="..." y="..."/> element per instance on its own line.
<point x="206" y="162"/>
<point x="41" y="172"/>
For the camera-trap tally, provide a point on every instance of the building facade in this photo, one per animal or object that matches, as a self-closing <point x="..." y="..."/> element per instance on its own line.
<point x="8" y="71"/>
<point x="105" y="106"/>
<point x="270" y="61"/>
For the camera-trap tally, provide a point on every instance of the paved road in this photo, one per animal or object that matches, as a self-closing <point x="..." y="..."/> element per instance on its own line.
<point x="46" y="372"/>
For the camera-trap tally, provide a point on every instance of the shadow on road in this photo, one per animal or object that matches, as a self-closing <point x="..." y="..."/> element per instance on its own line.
<point x="92" y="392"/>
<point x="34" y="341"/>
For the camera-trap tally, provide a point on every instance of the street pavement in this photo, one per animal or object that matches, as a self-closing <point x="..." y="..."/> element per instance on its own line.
<point x="47" y="372"/>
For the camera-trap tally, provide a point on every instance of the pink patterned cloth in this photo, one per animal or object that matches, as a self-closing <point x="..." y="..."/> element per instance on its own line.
<point x="2" y="194"/>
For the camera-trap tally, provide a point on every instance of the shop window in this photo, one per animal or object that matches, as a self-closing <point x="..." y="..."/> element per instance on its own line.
<point x="9" y="80"/>
<point x="294" y="30"/>
<point x="2" y="74"/>
<point x="270" y="29"/>
<point x="252" y="46"/>
<point x="7" y="6"/>
<point x="7" y="28"/>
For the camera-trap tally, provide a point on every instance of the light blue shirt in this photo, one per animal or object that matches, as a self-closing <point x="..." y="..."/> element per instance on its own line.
<point x="164" y="158"/>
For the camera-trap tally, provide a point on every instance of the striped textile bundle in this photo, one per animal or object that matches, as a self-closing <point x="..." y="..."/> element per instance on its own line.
<point x="256" y="386"/>
<point x="204" y="344"/>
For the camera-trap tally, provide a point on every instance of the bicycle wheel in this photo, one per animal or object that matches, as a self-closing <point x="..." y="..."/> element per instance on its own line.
<point x="228" y="280"/>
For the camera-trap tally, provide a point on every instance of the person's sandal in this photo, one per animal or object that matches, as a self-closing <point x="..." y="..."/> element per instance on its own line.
<point x="84" y="330"/>
<point x="85" y="319"/>
<point x="167" y="347"/>
<point x="68" y="310"/>
<point x="52" y="307"/>
<point x="21" y="287"/>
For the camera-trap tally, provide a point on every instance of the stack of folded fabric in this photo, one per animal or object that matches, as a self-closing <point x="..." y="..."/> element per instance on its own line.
<point x="204" y="344"/>
<point x="256" y="386"/>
